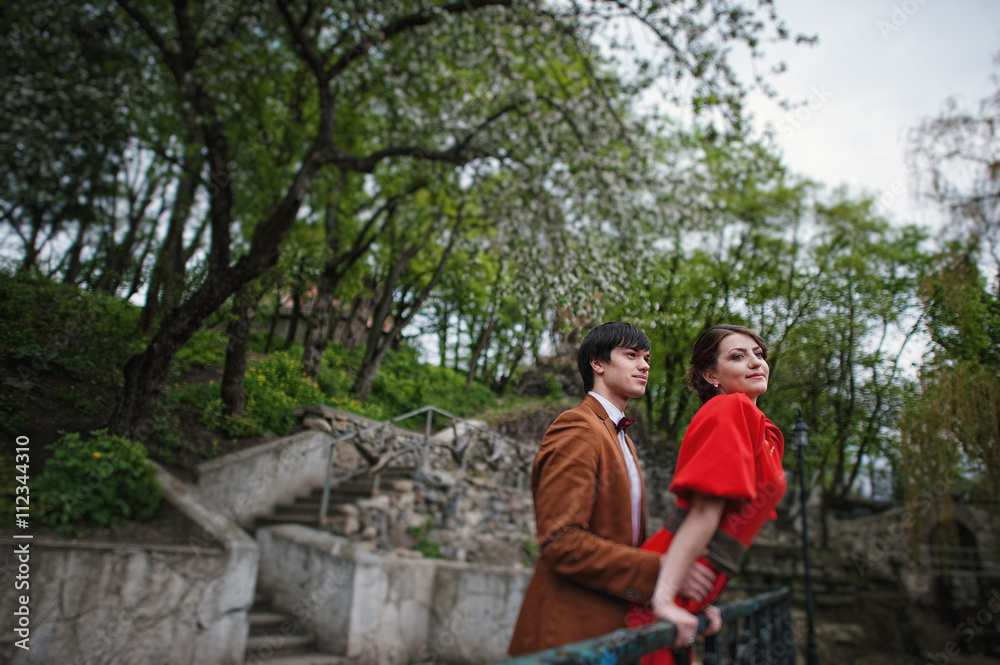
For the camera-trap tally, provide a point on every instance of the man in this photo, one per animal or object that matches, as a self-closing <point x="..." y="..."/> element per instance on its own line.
<point x="590" y="504"/>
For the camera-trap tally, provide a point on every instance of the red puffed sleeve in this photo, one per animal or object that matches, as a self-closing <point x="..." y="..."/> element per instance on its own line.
<point x="717" y="454"/>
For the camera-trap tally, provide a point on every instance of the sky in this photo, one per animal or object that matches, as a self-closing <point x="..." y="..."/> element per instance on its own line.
<point x="879" y="69"/>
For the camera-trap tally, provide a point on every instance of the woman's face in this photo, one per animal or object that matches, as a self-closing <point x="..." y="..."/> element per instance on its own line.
<point x="740" y="367"/>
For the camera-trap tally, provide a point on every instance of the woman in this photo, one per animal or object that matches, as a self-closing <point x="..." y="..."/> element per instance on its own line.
<point x="727" y="482"/>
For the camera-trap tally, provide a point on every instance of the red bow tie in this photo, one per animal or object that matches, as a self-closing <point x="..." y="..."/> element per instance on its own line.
<point x="623" y="424"/>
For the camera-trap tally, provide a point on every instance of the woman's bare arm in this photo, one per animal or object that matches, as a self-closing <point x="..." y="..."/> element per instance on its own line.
<point x="687" y="545"/>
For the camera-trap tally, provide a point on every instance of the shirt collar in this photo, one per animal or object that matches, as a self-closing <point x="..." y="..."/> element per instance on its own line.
<point x="613" y="413"/>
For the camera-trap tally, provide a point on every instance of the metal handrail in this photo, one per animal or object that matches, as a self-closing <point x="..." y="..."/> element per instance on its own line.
<point x="430" y="410"/>
<point x="769" y="613"/>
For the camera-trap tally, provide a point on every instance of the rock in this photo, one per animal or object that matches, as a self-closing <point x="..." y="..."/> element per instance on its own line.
<point x="345" y="509"/>
<point x="320" y="410"/>
<point x="380" y="502"/>
<point x="318" y="424"/>
<point x="402" y="485"/>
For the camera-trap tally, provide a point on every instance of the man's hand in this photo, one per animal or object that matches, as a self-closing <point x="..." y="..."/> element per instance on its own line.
<point x="698" y="581"/>
<point x="714" y="616"/>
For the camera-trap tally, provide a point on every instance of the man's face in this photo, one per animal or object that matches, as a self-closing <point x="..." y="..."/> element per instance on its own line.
<point x="624" y="377"/>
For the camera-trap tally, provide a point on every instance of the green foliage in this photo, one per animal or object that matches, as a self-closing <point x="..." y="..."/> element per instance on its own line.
<point x="97" y="481"/>
<point x="166" y="443"/>
<point x="431" y="549"/>
<point x="403" y="384"/>
<point x="529" y="552"/>
<point x="206" y="348"/>
<point x="12" y="413"/>
<point x="273" y="387"/>
<point x="58" y="328"/>
<point x="79" y="399"/>
<point x="964" y="316"/>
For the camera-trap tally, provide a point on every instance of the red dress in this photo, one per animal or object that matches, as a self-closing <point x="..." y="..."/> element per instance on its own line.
<point x="732" y="450"/>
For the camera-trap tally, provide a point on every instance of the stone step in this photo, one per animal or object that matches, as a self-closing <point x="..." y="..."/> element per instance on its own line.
<point x="308" y="659"/>
<point x="264" y="648"/>
<point x="262" y="622"/>
<point x="350" y="492"/>
<point x="398" y="472"/>
<point x="303" y="506"/>
<point x="300" y="506"/>
<point x="285" y="518"/>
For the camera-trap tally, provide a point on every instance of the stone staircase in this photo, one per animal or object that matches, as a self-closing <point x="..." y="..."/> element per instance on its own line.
<point x="276" y="638"/>
<point x="342" y="512"/>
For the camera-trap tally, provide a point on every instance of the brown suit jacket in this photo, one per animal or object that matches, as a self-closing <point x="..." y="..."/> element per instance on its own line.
<point x="587" y="571"/>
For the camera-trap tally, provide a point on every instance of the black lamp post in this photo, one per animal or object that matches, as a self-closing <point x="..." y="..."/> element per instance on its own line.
<point x="801" y="436"/>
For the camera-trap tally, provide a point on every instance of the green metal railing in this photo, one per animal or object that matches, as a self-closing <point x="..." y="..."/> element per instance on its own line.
<point x="756" y="630"/>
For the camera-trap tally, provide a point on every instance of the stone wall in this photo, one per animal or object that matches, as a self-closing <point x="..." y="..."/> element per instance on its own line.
<point x="464" y="447"/>
<point x="391" y="609"/>
<point x="96" y="603"/>
<point x="463" y="495"/>
<point x="882" y="547"/>
<point x="249" y="483"/>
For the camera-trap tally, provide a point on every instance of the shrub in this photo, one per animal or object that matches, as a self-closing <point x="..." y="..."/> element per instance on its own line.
<point x="273" y="387"/>
<point x="95" y="481"/>
<point x="403" y="383"/>
<point x="431" y="549"/>
<point x="60" y="329"/>
<point x="206" y="348"/>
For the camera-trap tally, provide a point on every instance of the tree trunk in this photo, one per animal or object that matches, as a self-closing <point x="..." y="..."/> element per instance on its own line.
<point x="374" y="355"/>
<point x="352" y="330"/>
<point x="274" y="321"/>
<point x="167" y="281"/>
<point x="318" y="322"/>
<point x="235" y="366"/>
<point x="146" y="372"/>
<point x="293" y="321"/>
<point x="443" y="334"/>
<point x="515" y="360"/>
<point x="318" y="327"/>
<point x="375" y="350"/>
<point x="75" y="263"/>
<point x="484" y="338"/>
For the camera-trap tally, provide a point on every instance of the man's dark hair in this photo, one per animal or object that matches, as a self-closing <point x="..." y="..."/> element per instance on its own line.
<point x="599" y="343"/>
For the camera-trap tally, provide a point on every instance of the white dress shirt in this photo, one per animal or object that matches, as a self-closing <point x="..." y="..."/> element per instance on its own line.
<point x="635" y="485"/>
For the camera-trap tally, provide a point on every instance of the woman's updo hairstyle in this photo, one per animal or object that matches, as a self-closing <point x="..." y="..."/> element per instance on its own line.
<point x="705" y="356"/>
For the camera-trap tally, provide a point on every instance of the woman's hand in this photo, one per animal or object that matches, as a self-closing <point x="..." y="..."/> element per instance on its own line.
<point x="686" y="623"/>
<point x="714" y="616"/>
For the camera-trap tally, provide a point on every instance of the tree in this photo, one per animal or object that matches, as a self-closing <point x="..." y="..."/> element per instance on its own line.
<point x="64" y="74"/>
<point x="244" y="104"/>
<point x="950" y="434"/>
<point x="951" y="431"/>
<point x="955" y="163"/>
<point x="844" y="363"/>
